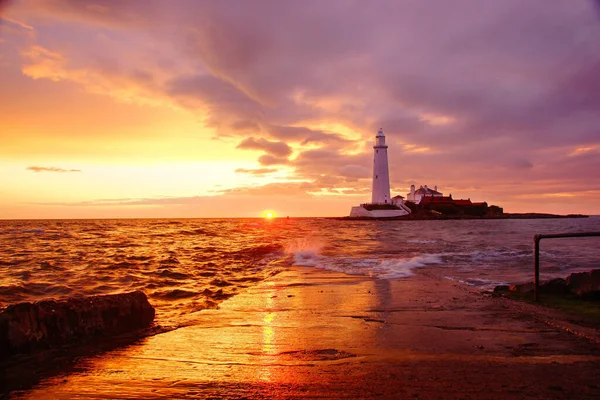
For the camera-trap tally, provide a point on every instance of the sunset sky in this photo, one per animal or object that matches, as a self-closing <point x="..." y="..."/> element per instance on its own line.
<point x="191" y="108"/>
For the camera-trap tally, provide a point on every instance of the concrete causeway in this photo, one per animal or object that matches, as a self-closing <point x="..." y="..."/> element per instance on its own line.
<point x="307" y="333"/>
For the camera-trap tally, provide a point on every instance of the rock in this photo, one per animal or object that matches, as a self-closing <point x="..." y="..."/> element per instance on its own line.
<point x="522" y="288"/>
<point x="585" y="284"/>
<point x="29" y="326"/>
<point x="556" y="286"/>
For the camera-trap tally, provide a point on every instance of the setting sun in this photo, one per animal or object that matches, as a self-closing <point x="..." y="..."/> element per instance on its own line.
<point x="269" y="214"/>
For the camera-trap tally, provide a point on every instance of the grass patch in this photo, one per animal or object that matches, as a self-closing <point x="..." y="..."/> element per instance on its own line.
<point x="570" y="305"/>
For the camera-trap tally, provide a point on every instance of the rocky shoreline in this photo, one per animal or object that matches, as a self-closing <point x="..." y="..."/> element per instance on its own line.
<point x="420" y="216"/>
<point x="584" y="285"/>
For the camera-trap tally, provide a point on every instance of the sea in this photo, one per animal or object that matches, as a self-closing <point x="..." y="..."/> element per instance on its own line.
<point x="187" y="265"/>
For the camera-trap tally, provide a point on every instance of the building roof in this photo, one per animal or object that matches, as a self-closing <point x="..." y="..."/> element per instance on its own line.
<point x="395" y="197"/>
<point x="463" y="202"/>
<point x="445" y="200"/>
<point x="424" y="190"/>
<point x="437" y="200"/>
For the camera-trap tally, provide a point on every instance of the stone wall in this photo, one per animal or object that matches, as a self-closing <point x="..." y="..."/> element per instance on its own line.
<point x="29" y="326"/>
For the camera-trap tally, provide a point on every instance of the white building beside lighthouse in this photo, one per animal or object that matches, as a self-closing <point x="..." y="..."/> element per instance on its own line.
<point x="382" y="205"/>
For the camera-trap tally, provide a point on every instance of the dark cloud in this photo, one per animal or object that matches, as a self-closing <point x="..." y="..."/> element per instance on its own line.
<point x="51" y="169"/>
<point x="277" y="149"/>
<point x="305" y="135"/>
<point x="355" y="171"/>
<point x="3" y="4"/>
<point x="228" y="107"/>
<point x="522" y="164"/>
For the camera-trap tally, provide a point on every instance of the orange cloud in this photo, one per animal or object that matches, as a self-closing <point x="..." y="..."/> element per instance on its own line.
<point x="134" y="86"/>
<point x="257" y="171"/>
<point x="583" y="150"/>
<point x="51" y="169"/>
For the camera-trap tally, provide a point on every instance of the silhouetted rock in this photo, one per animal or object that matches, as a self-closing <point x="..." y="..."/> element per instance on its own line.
<point x="522" y="288"/>
<point x="556" y="287"/>
<point x="29" y="326"/>
<point x="501" y="288"/>
<point x="585" y="284"/>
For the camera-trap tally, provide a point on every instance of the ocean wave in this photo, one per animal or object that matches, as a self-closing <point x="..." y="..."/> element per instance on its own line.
<point x="421" y="241"/>
<point x="174" y="294"/>
<point x="35" y="230"/>
<point x="499" y="254"/>
<point x="402" y="268"/>
<point x="382" y="268"/>
<point x="307" y="258"/>
<point x="305" y="251"/>
<point x="170" y="260"/>
<point x="220" y="283"/>
<point x="122" y="264"/>
<point x="173" y="274"/>
<point x="193" y="271"/>
<point x="198" y="231"/>
<point x="139" y="258"/>
<point x="478" y="282"/>
<point x="256" y="252"/>
<point x="207" y="274"/>
<point x="34" y="289"/>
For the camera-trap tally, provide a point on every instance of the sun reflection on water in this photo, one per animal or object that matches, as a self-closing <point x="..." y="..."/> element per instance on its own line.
<point x="268" y="334"/>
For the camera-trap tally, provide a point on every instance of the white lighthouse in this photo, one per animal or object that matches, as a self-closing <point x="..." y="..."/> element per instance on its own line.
<point x="381" y="175"/>
<point x="381" y="205"/>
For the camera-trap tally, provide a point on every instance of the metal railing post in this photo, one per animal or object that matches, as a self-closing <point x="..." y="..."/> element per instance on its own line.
<point x="536" y="260"/>
<point x="536" y="268"/>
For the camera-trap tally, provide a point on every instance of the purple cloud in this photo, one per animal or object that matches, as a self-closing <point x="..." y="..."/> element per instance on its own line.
<point x="278" y="149"/>
<point x="470" y="93"/>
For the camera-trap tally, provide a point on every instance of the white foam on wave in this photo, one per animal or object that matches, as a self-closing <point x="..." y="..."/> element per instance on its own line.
<point x="305" y="251"/>
<point x="498" y="254"/>
<point x="421" y="241"/>
<point x="478" y="282"/>
<point x="391" y="268"/>
<point x="306" y="258"/>
<point x="35" y="230"/>
<point x="402" y="268"/>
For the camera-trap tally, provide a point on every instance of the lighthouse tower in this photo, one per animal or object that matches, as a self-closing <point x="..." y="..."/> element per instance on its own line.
<point x="381" y="205"/>
<point x="381" y="175"/>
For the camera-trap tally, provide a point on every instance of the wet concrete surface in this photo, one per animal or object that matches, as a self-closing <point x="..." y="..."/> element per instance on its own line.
<point x="308" y="334"/>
